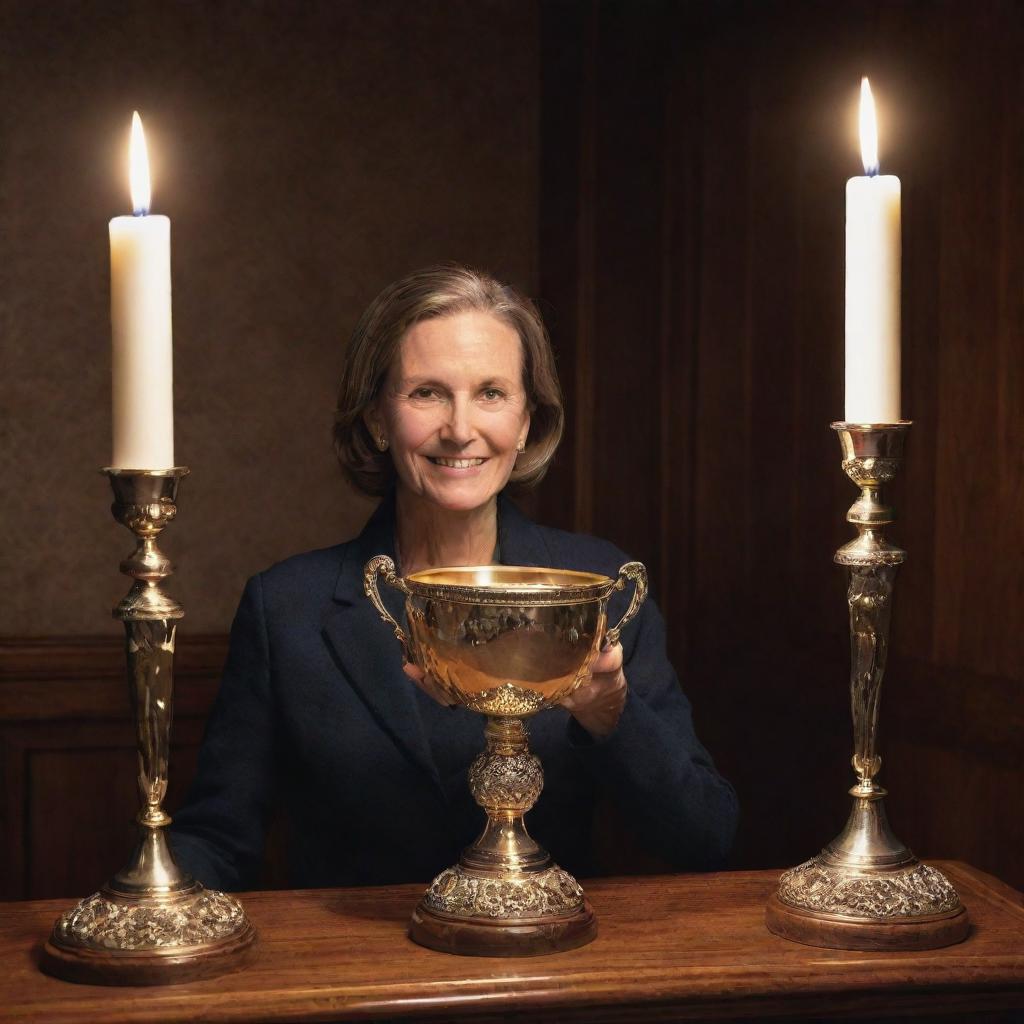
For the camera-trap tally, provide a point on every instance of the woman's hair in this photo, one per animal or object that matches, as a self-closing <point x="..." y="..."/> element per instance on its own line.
<point x="424" y="295"/>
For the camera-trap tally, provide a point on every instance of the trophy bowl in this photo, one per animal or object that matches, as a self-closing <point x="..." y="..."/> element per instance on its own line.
<point x="507" y="641"/>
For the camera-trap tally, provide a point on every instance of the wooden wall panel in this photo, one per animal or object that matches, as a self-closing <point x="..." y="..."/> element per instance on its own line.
<point x="758" y="136"/>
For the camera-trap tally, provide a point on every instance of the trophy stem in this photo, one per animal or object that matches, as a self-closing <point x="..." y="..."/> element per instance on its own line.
<point x="506" y="781"/>
<point x="866" y="890"/>
<point x="505" y="897"/>
<point x="151" y="923"/>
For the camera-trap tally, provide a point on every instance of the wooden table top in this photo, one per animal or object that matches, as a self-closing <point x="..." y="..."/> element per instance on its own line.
<point x="682" y="947"/>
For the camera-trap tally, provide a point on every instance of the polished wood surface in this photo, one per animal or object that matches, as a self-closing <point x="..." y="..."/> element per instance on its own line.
<point x="684" y="947"/>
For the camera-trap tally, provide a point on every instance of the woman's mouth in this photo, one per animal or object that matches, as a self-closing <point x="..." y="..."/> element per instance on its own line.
<point x="456" y="463"/>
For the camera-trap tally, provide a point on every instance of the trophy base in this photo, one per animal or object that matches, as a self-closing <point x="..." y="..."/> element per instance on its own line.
<point x="114" y="938"/>
<point x="834" y="932"/>
<point x="520" y="914"/>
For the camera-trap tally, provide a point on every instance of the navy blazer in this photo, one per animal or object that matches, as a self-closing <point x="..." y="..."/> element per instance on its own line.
<point x="315" y="713"/>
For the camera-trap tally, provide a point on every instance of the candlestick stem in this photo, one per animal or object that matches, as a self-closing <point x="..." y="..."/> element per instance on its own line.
<point x="866" y="890"/>
<point x="151" y="923"/>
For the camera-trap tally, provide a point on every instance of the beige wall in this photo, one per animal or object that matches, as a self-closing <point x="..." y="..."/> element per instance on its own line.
<point x="307" y="153"/>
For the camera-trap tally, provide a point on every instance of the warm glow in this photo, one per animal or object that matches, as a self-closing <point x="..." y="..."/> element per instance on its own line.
<point x="868" y="129"/>
<point x="139" y="168"/>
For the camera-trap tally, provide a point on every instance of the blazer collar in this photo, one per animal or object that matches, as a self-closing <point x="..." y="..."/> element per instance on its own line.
<point x="365" y="648"/>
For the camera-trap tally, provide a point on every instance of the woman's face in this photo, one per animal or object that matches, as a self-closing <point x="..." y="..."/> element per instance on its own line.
<point x="455" y="409"/>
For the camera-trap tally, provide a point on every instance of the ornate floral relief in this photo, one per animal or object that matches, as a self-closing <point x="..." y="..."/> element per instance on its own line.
<point x="871" y="470"/>
<point x="549" y="892"/>
<point x="871" y="559"/>
<point x="104" y="923"/>
<point x="917" y="892"/>
<point x="507" y="699"/>
<point x="507" y="782"/>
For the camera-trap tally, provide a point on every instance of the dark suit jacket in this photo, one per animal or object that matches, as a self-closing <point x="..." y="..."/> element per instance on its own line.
<point x="314" y="711"/>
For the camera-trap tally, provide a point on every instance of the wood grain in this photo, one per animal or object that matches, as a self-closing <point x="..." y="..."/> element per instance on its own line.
<point x="685" y="947"/>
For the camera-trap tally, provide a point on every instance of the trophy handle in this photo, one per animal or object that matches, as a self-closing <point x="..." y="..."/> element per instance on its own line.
<point x="637" y="572"/>
<point x="382" y="565"/>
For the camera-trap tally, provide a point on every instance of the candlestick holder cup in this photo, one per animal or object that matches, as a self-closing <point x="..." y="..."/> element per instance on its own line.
<point x="866" y="890"/>
<point x="151" y="923"/>
<point x="506" y="641"/>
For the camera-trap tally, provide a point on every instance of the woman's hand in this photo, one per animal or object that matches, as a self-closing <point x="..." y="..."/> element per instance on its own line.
<point x="597" y="703"/>
<point x="427" y="683"/>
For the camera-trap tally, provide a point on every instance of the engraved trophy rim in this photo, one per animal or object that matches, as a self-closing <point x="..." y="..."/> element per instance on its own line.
<point x="520" y="585"/>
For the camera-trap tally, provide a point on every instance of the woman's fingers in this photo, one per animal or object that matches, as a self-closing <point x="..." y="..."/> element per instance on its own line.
<point x="607" y="661"/>
<point x="414" y="672"/>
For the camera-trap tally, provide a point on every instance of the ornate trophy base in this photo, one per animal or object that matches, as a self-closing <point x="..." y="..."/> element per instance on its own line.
<point x="505" y="897"/>
<point x="867" y="891"/>
<point x="474" y="914"/>
<point x="115" y="938"/>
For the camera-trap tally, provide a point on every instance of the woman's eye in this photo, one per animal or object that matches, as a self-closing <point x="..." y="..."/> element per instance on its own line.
<point x="492" y="394"/>
<point x="423" y="393"/>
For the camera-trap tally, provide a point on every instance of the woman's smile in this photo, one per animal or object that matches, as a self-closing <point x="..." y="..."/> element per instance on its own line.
<point x="459" y="464"/>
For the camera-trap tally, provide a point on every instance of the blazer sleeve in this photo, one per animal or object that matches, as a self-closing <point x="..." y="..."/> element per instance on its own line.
<point x="652" y="764"/>
<point x="218" y="835"/>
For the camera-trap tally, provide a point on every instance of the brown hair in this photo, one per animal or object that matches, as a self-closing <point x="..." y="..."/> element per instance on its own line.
<point x="440" y="291"/>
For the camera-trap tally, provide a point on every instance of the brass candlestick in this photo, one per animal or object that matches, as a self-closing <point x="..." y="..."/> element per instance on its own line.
<point x="866" y="890"/>
<point x="151" y="923"/>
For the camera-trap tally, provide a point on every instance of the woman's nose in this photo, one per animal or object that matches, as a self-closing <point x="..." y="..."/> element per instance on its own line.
<point x="458" y="429"/>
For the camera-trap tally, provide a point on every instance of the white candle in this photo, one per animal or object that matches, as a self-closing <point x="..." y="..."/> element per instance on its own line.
<point x="872" y="283"/>
<point x="140" y="321"/>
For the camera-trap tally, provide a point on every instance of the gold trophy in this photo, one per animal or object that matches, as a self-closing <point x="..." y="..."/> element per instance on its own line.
<point x="507" y="641"/>
<point x="151" y="924"/>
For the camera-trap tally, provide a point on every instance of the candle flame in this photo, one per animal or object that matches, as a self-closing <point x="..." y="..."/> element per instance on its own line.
<point x="139" y="168"/>
<point x="868" y="129"/>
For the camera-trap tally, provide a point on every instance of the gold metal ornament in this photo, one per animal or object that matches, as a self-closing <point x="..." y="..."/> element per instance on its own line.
<point x="507" y="641"/>
<point x="866" y="890"/>
<point x="151" y="923"/>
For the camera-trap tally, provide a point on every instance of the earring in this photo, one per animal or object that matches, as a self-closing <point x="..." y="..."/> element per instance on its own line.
<point x="521" y="447"/>
<point x="382" y="443"/>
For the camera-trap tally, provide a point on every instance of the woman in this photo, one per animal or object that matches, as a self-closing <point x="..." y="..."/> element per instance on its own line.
<point x="448" y="394"/>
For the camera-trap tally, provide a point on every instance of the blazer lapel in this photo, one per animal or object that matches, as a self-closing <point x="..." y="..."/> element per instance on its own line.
<point x="365" y="648"/>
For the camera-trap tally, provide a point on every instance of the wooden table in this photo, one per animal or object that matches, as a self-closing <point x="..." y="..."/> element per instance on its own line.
<point x="684" y="947"/>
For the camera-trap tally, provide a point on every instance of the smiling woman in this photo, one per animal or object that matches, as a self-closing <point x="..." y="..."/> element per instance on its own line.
<point x="456" y="415"/>
<point x="448" y="395"/>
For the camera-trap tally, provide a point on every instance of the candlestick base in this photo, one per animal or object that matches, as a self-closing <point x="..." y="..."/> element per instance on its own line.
<point x="117" y="938"/>
<point x="866" y="890"/>
<point x="151" y="924"/>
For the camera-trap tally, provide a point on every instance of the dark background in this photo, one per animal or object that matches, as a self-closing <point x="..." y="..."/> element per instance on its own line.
<point x="668" y="180"/>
